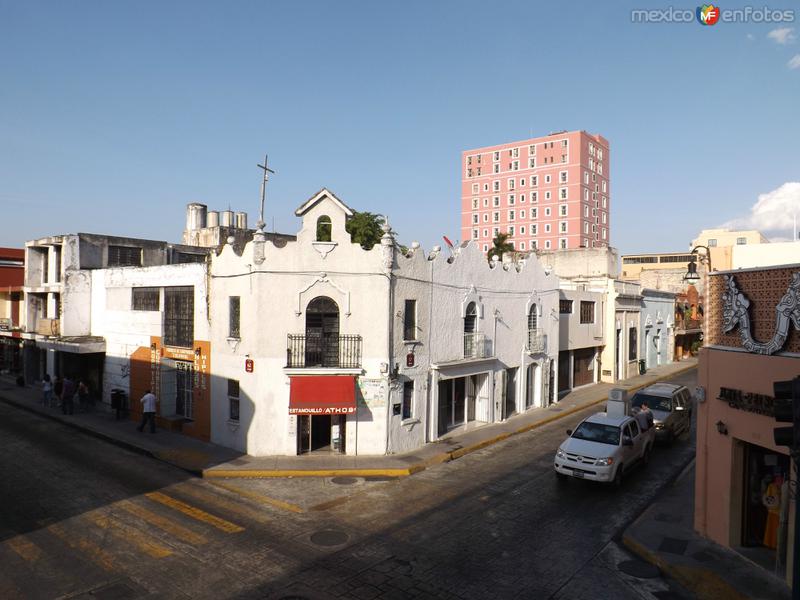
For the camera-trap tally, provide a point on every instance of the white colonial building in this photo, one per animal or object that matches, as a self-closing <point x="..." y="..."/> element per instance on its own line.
<point x="318" y="343"/>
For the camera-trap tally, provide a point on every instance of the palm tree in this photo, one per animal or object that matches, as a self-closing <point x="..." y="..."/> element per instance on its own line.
<point x="500" y="245"/>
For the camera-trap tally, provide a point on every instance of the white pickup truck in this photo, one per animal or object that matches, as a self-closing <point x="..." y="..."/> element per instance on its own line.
<point x="604" y="447"/>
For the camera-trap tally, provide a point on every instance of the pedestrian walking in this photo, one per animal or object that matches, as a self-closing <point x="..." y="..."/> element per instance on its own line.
<point x="148" y="411"/>
<point x="47" y="390"/>
<point x="68" y="396"/>
<point x="58" y="388"/>
<point x="83" y="396"/>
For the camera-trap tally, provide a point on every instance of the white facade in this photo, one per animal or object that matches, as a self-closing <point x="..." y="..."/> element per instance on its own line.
<point x="582" y="334"/>
<point x="657" y="327"/>
<point x="127" y="330"/>
<point x="500" y="368"/>
<point x="468" y="369"/>
<point x="275" y="284"/>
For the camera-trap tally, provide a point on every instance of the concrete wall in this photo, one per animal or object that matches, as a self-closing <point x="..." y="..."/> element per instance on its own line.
<point x="582" y="262"/>
<point x="573" y="334"/>
<point x="763" y="255"/>
<point x="126" y="330"/>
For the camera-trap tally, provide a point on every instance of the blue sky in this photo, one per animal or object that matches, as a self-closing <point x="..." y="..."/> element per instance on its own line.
<point x="114" y="115"/>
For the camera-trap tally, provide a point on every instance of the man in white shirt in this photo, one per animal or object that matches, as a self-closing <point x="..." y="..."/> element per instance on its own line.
<point x="148" y="411"/>
<point x="644" y="417"/>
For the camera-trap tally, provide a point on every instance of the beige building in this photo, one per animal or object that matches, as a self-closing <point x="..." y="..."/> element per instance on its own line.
<point x="721" y="243"/>
<point x="634" y="264"/>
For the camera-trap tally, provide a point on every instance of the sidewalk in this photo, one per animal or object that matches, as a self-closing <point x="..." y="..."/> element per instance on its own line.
<point x="211" y="460"/>
<point x="664" y="536"/>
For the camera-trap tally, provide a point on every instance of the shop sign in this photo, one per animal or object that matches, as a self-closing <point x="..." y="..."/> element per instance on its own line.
<point x="248" y="365"/>
<point x="760" y="404"/>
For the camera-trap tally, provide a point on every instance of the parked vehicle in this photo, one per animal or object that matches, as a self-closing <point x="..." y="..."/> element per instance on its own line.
<point x="603" y="448"/>
<point x="671" y="406"/>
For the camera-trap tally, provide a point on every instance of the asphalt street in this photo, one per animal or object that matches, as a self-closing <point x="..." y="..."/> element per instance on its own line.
<point x="85" y="519"/>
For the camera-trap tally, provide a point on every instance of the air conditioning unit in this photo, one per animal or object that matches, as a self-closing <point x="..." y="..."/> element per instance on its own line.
<point x="618" y="404"/>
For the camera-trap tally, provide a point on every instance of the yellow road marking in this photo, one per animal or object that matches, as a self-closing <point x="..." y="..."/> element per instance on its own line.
<point x="195" y="513"/>
<point x="178" y="531"/>
<point x="260" y="498"/>
<point x="130" y="534"/>
<point x="224" y="504"/>
<point x="95" y="552"/>
<point x="25" y="548"/>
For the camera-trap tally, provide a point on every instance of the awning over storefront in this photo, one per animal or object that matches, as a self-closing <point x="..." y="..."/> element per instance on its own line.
<point x="322" y="395"/>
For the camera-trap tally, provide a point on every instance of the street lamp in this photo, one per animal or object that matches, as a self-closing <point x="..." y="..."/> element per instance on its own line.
<point x="692" y="276"/>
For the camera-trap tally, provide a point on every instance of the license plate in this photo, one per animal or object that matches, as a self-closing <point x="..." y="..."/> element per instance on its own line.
<point x="578" y="474"/>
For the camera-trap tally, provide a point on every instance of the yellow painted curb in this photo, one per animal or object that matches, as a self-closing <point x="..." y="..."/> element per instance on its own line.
<point x="421" y="466"/>
<point x="263" y="473"/>
<point x="705" y="584"/>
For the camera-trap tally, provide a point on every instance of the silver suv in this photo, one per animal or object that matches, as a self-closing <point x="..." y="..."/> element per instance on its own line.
<point x="671" y="406"/>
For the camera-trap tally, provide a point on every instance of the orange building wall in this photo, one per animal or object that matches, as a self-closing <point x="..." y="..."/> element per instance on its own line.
<point x="146" y="374"/>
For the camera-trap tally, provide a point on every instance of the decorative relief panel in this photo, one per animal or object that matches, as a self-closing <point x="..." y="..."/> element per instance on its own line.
<point x="755" y="310"/>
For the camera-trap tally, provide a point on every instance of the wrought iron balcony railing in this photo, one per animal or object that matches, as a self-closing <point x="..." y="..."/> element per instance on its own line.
<point x="688" y="324"/>
<point x="537" y="341"/>
<point x="477" y="346"/>
<point x="321" y="350"/>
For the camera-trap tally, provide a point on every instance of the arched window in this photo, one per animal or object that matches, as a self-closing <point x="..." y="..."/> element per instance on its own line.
<point x="322" y="333"/>
<point x="324" y="229"/>
<point x="471" y="318"/>
<point x="532" y="322"/>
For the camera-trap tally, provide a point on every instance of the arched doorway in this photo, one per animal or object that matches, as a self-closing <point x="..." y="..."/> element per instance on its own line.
<point x="322" y="333"/>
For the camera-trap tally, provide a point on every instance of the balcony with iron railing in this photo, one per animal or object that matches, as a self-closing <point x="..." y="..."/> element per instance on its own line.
<point x="537" y="341"/>
<point x="313" y="350"/>
<point x="688" y="324"/>
<point x="476" y="345"/>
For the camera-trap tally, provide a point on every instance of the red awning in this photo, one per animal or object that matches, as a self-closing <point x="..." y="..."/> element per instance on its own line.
<point x="322" y="395"/>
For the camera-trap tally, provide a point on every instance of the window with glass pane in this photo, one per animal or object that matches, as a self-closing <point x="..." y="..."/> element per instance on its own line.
<point x="124" y="256"/>
<point x="565" y="307"/>
<point x="145" y="298"/>
<point x="233" y="312"/>
<point x="179" y="316"/>
<point x="587" y="312"/>
<point x="410" y="320"/>
<point x="408" y="399"/>
<point x="233" y="400"/>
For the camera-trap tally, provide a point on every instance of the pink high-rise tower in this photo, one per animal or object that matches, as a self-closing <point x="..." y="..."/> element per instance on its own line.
<point x="548" y="192"/>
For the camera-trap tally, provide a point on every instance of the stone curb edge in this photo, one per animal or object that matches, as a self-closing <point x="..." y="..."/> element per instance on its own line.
<point x="705" y="584"/>
<point x="422" y="465"/>
<point x="103" y="436"/>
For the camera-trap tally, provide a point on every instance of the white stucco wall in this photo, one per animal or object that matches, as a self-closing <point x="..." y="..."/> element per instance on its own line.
<point x="443" y="287"/>
<point x="657" y="327"/>
<point x="274" y="295"/>
<point x="125" y="329"/>
<point x="748" y="256"/>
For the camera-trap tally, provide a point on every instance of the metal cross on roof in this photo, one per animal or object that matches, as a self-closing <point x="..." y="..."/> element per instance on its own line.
<point x="267" y="171"/>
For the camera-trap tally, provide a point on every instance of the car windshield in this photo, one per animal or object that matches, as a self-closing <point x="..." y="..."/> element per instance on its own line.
<point x="653" y="402"/>
<point x="597" y="432"/>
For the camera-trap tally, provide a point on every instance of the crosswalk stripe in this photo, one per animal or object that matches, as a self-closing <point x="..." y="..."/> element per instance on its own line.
<point x="130" y="534"/>
<point x="25" y="548"/>
<point x="195" y="513"/>
<point x="179" y="531"/>
<point x="260" y="498"/>
<point x="227" y="505"/>
<point x="95" y="552"/>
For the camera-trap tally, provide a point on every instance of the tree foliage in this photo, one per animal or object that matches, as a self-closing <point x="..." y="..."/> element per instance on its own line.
<point x="500" y="245"/>
<point x="365" y="229"/>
